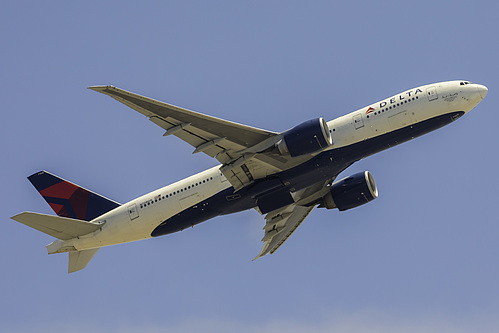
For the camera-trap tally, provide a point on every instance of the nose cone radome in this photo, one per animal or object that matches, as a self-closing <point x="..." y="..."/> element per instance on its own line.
<point x="482" y="90"/>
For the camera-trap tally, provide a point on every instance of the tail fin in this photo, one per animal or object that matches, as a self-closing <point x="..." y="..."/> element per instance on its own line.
<point x="70" y="200"/>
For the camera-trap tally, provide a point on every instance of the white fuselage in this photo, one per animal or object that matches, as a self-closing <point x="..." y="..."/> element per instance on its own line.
<point x="138" y="218"/>
<point x="404" y="109"/>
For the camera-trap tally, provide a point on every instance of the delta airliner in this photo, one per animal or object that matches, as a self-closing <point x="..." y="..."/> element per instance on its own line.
<point x="284" y="176"/>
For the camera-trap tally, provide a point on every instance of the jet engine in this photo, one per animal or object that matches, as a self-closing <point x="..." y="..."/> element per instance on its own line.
<point x="308" y="137"/>
<point x="351" y="192"/>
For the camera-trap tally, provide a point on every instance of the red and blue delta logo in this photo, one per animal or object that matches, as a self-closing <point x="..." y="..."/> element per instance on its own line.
<point x="370" y="110"/>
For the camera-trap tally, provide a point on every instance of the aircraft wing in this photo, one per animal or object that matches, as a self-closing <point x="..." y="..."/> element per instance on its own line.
<point x="243" y="150"/>
<point x="197" y="129"/>
<point x="280" y="225"/>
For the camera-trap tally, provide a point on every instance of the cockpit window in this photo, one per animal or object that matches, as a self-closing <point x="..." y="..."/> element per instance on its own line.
<point x="463" y="83"/>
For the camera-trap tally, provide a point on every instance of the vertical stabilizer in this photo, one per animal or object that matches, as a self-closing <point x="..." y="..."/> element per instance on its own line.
<point x="70" y="200"/>
<point x="78" y="260"/>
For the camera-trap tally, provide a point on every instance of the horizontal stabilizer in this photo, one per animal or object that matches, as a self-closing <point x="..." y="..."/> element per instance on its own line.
<point x="56" y="226"/>
<point x="78" y="260"/>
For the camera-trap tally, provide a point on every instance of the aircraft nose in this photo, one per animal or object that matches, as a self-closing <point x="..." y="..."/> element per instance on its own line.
<point x="482" y="90"/>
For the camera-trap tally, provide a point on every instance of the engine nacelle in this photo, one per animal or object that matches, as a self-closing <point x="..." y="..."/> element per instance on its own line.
<point x="308" y="137"/>
<point x="351" y="192"/>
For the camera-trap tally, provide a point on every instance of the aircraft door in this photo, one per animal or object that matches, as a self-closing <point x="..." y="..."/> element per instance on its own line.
<point x="431" y="92"/>
<point x="133" y="212"/>
<point x="358" y="122"/>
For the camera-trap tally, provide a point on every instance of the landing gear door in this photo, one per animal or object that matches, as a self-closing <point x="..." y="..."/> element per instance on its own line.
<point x="431" y="92"/>
<point x="357" y="121"/>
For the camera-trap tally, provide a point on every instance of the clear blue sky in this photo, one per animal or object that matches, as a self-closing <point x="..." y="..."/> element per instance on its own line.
<point x="422" y="257"/>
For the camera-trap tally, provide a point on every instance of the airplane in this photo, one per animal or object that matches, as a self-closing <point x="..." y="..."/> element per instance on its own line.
<point x="283" y="175"/>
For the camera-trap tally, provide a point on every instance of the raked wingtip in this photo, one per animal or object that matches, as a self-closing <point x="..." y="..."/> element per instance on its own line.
<point x="99" y="88"/>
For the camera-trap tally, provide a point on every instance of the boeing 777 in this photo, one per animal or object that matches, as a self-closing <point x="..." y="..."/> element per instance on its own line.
<point x="284" y="176"/>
